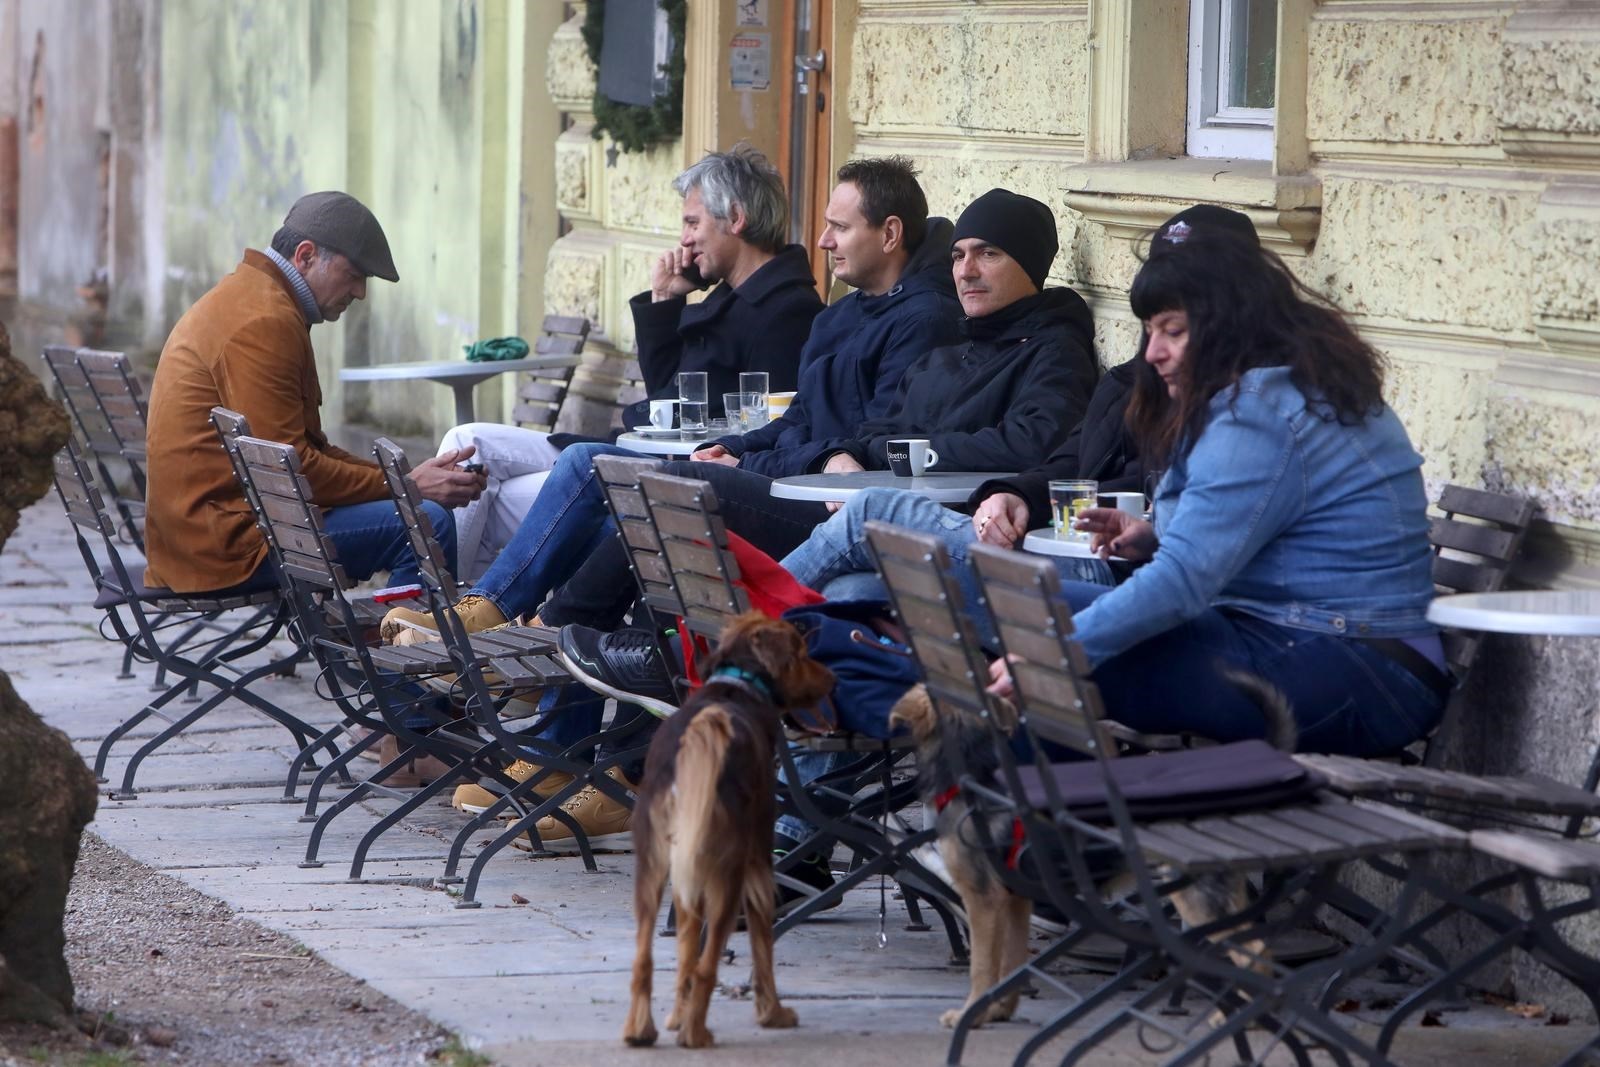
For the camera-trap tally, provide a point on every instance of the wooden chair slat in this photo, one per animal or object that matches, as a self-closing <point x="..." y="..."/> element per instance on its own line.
<point x="565" y="324"/>
<point x="1562" y="859"/>
<point x="685" y="493"/>
<point x="1465" y="577"/>
<point x="1480" y="504"/>
<point x="916" y="580"/>
<point x="1489" y="541"/>
<point x="689" y="525"/>
<point x="268" y="456"/>
<point x="557" y="345"/>
<point x="290" y="487"/>
<point x="692" y="558"/>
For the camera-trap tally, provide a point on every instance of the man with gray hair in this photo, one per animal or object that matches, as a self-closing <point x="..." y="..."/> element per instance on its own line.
<point x="735" y="228"/>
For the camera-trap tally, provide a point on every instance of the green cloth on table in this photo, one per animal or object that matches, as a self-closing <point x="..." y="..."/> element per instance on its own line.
<point x="496" y="348"/>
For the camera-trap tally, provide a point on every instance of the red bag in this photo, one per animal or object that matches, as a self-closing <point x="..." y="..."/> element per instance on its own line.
<point x="770" y="589"/>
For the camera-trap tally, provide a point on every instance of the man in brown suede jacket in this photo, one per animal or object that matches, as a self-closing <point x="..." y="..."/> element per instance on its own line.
<point x="246" y="345"/>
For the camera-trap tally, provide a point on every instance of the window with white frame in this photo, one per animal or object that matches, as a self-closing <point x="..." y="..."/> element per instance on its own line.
<point x="1233" y="67"/>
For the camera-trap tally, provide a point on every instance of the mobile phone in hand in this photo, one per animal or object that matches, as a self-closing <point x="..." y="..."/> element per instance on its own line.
<point x="692" y="275"/>
<point x="472" y="467"/>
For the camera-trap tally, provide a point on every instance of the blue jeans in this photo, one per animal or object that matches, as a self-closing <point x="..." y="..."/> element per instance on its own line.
<point x="839" y="547"/>
<point x="1347" y="697"/>
<point x="370" y="538"/>
<point x="567" y="520"/>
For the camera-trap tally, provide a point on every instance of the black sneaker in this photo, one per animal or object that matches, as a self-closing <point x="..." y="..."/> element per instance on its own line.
<point x="625" y="665"/>
<point x="813" y="872"/>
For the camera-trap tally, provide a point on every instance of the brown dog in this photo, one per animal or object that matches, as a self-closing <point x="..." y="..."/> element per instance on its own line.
<point x="704" y="815"/>
<point x="952" y="745"/>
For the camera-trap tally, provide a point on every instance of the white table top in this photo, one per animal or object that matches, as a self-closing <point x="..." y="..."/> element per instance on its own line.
<point x="1551" y="612"/>
<point x="663" y="445"/>
<point x="949" y="488"/>
<point x="450" y="370"/>
<point x="1046" y="543"/>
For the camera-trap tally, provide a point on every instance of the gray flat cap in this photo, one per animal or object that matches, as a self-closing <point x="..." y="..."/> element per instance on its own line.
<point x="342" y="223"/>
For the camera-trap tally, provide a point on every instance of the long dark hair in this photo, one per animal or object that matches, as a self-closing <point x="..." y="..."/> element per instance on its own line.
<point x="1245" y="311"/>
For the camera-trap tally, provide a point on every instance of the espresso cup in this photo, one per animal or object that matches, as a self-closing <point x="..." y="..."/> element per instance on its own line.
<point x="910" y="457"/>
<point x="1128" y="503"/>
<point x="662" y="413"/>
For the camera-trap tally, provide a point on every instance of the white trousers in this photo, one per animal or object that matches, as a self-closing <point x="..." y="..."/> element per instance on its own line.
<point x="517" y="461"/>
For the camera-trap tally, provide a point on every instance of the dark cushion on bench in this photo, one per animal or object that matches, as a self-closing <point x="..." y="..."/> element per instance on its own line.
<point x="1242" y="776"/>
<point x="262" y="581"/>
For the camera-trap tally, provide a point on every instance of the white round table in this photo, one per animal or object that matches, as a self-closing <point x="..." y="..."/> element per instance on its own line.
<point x="461" y="375"/>
<point x="663" y="445"/>
<point x="1046" y="543"/>
<point x="951" y="488"/>
<point x="1545" y="612"/>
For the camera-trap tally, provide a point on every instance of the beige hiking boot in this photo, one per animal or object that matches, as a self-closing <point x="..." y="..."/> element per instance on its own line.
<point x="606" y="823"/>
<point x="474" y="798"/>
<point x="475" y="612"/>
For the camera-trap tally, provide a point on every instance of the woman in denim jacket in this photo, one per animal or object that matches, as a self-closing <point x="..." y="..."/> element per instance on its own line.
<point x="1290" y="535"/>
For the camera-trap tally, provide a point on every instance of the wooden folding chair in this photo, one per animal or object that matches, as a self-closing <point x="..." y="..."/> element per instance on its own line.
<point x="1296" y="847"/>
<point x="541" y="395"/>
<point x="512" y="659"/>
<point x="109" y="411"/>
<point x="196" y="638"/>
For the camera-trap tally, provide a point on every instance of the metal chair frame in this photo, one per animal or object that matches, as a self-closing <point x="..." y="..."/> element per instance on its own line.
<point x="144" y="621"/>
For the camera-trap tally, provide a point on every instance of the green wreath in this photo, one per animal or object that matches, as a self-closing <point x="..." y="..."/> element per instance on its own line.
<point x="634" y="127"/>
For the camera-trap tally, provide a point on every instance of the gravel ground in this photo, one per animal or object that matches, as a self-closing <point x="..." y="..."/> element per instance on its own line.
<point x="166" y="975"/>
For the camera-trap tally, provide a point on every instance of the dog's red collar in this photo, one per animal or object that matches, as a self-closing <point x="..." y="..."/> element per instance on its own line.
<point x="943" y="800"/>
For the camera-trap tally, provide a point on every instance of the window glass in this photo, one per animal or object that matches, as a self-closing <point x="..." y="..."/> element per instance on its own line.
<point x="1252" y="44"/>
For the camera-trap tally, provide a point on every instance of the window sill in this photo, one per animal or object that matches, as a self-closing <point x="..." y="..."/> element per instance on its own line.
<point x="1134" y="197"/>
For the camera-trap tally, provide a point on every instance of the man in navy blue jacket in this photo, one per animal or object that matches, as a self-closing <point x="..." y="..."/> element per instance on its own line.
<point x="880" y="240"/>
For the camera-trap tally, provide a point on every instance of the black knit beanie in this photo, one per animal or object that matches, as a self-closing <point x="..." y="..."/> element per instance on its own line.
<point x="1208" y="219"/>
<point x="1018" y="225"/>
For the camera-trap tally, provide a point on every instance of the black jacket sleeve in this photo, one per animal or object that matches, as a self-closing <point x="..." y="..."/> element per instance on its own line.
<point x="655" y="331"/>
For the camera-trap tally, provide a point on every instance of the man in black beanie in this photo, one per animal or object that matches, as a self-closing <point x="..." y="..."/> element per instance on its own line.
<point x="1011" y="391"/>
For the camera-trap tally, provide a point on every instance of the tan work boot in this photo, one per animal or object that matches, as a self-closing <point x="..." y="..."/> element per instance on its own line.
<point x="422" y="769"/>
<point x="474" y="798"/>
<point x="606" y="823"/>
<point x="475" y="612"/>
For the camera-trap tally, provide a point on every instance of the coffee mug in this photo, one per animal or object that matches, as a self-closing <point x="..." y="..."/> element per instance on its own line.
<point x="909" y="458"/>
<point x="662" y="413"/>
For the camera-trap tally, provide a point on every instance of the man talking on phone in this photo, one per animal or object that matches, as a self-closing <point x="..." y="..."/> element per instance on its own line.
<point x="735" y="233"/>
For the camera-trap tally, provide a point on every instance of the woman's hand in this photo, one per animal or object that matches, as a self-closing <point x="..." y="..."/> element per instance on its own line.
<point x="1113" y="532"/>
<point x="1000" y="683"/>
<point x="1001" y="519"/>
<point x="715" y="454"/>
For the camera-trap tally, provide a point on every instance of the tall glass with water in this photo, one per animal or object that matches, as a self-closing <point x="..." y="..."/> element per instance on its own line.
<point x="692" y="404"/>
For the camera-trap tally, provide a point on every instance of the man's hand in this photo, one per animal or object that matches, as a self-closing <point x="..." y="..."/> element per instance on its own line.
<point x="666" y="275"/>
<point x="841" y="463"/>
<point x="715" y="454"/>
<point x="441" y="481"/>
<point x="1113" y="532"/>
<point x="1001" y="519"/>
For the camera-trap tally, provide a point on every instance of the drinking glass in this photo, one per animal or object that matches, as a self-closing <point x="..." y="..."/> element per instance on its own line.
<point x="692" y="403"/>
<point x="733" y="405"/>
<point x="1068" y="500"/>
<point x="753" y="383"/>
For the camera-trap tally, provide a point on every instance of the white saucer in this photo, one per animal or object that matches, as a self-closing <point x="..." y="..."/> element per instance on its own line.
<point x="1047" y="543"/>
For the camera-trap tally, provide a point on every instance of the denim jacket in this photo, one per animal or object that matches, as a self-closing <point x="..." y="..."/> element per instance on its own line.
<point x="1281" y="512"/>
